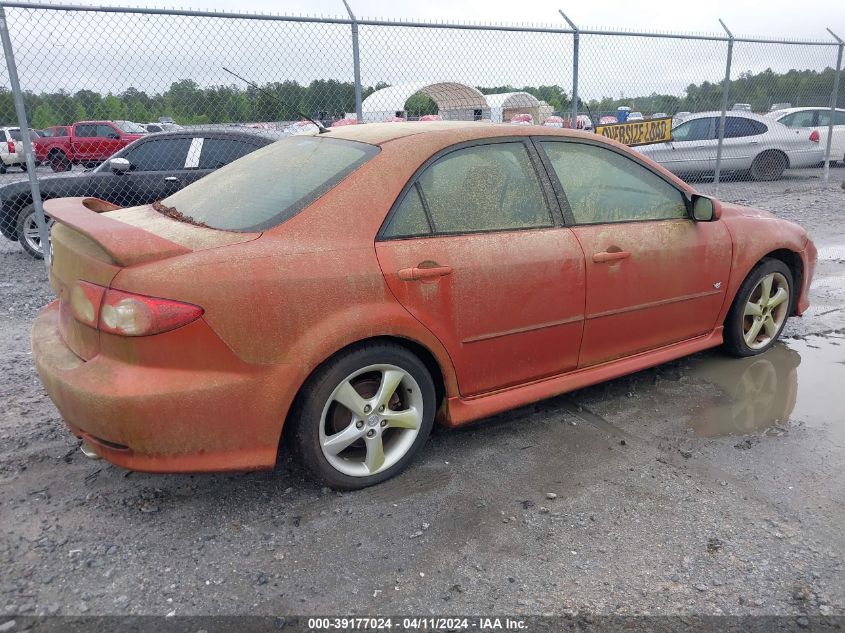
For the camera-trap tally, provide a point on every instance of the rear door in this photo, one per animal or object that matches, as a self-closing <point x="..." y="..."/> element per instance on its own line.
<point x="654" y="276"/>
<point x="474" y="250"/>
<point x="741" y="143"/>
<point x="84" y="141"/>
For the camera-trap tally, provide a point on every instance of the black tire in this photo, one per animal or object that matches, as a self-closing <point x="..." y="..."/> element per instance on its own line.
<point x="59" y="162"/>
<point x="24" y="218"/>
<point x="23" y="166"/>
<point x="768" y="166"/>
<point x="306" y="417"/>
<point x="2" y="168"/>
<point x="734" y="339"/>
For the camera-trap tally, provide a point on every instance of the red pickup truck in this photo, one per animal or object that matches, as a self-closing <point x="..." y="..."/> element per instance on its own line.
<point x="86" y="142"/>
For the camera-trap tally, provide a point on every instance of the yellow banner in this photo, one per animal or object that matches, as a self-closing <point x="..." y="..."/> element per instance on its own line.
<point x="644" y="132"/>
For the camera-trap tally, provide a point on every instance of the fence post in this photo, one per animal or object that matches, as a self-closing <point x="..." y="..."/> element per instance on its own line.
<point x="833" y="99"/>
<point x="26" y="139"/>
<point x="726" y="84"/>
<point x="576" y="36"/>
<point x="356" y="63"/>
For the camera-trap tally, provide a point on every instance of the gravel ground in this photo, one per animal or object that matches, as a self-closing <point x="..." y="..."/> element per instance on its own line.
<point x="703" y="486"/>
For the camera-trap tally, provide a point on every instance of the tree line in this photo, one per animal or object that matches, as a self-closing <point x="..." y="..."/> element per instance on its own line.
<point x="189" y="103"/>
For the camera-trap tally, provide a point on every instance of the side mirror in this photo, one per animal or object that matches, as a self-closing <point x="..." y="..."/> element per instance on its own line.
<point x="119" y="165"/>
<point x="705" y="209"/>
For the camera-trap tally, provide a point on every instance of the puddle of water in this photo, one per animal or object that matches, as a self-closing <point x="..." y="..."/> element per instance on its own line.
<point x="801" y="380"/>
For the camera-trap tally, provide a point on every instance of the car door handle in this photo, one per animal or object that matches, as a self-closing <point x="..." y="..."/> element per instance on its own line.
<point x="417" y="274"/>
<point x="171" y="179"/>
<point x="610" y="256"/>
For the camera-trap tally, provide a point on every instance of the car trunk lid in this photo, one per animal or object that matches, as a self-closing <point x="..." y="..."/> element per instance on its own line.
<point x="92" y="240"/>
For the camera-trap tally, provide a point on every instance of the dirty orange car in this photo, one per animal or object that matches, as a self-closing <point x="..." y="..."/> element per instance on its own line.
<point x="338" y="293"/>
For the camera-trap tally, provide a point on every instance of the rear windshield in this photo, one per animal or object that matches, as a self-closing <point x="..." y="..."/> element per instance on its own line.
<point x="270" y="185"/>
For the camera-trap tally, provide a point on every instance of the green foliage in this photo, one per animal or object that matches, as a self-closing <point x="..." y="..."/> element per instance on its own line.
<point x="189" y="103"/>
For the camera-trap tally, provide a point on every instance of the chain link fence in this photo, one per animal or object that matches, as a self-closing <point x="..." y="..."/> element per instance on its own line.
<point x="129" y="105"/>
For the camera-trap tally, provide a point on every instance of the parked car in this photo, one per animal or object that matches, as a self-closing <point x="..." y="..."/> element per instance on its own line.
<point x="607" y="120"/>
<point x="11" y="148"/>
<point x="149" y="169"/>
<point x="658" y="115"/>
<point x="752" y="143"/>
<point x="742" y="107"/>
<point x="636" y="116"/>
<point x="780" y="106"/>
<point x="341" y="290"/>
<point x="809" y="119"/>
<point x="87" y="143"/>
<point x="154" y="128"/>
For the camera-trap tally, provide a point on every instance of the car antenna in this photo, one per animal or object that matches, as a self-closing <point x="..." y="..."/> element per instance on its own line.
<point x="319" y="125"/>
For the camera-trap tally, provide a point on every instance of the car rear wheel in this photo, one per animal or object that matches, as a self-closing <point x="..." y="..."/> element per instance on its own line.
<point x="2" y="168"/>
<point x="28" y="234"/>
<point x="59" y="162"/>
<point x="363" y="416"/>
<point x="768" y="166"/>
<point x="760" y="309"/>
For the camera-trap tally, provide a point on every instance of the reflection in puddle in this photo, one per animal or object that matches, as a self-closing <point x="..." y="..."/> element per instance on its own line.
<point x="799" y="381"/>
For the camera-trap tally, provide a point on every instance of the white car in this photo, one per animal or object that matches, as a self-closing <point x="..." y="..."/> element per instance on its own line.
<point x="636" y="116"/>
<point x="154" y="128"/>
<point x="809" y="119"/>
<point x="752" y="143"/>
<point x="11" y="149"/>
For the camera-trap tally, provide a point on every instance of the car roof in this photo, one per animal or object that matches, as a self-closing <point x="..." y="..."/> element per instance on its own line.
<point x="802" y="109"/>
<point x="745" y="114"/>
<point x="378" y="133"/>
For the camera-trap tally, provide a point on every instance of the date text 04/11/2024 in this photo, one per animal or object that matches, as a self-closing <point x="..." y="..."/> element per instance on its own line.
<point x="427" y="623"/>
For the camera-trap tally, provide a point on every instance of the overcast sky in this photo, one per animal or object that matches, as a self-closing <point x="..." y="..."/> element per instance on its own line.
<point x="111" y="52"/>
<point x="793" y="18"/>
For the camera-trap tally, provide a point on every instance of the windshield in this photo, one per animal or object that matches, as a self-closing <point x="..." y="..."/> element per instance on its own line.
<point x="129" y="127"/>
<point x="270" y="185"/>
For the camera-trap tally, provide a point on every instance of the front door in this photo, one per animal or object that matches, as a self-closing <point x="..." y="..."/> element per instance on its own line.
<point x="692" y="149"/>
<point x="654" y="276"/>
<point x="475" y="253"/>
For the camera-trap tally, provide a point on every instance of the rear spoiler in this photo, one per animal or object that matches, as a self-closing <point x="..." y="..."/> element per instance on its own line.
<point x="124" y="243"/>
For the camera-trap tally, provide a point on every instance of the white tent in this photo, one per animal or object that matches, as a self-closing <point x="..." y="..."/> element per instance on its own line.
<point x="505" y="105"/>
<point x="455" y="101"/>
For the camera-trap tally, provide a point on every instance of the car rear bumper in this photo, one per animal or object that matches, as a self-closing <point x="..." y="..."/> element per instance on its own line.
<point x="161" y="419"/>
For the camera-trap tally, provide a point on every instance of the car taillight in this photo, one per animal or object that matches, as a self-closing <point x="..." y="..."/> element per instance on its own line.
<point x="85" y="301"/>
<point x="127" y="313"/>
<point x="814" y="136"/>
<point x="130" y="314"/>
<point x="11" y="147"/>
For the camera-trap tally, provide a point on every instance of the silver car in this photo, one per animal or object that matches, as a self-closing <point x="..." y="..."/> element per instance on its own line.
<point x="752" y="143"/>
<point x="809" y="119"/>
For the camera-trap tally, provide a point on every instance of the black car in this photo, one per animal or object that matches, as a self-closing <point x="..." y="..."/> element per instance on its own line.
<point x="147" y="170"/>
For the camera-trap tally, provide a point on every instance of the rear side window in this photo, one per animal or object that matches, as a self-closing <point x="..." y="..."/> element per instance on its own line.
<point x="60" y="131"/>
<point x="217" y="152"/>
<point x="824" y="118"/>
<point x="482" y="188"/>
<point x="86" y="131"/>
<point x="272" y="184"/>
<point x="737" y="127"/>
<point x="410" y="218"/>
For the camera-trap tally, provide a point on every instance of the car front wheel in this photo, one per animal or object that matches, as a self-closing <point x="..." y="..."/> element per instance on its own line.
<point x="760" y="309"/>
<point x="28" y="234"/>
<point x="363" y="416"/>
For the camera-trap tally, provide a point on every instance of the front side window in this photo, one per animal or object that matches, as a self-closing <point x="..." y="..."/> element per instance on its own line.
<point x="799" y="119"/>
<point x="272" y="184"/>
<point x="824" y="118"/>
<point x="15" y="134"/>
<point x="106" y="131"/>
<point x="167" y="154"/>
<point x="695" y="130"/>
<point x="604" y="186"/>
<point x="481" y="188"/>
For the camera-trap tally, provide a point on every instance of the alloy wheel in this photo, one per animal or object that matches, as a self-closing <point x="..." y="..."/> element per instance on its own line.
<point x="766" y="310"/>
<point x="371" y="420"/>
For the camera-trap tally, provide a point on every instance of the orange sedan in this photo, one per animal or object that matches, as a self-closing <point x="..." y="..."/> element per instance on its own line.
<point x="340" y="292"/>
